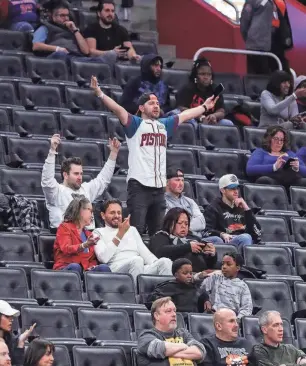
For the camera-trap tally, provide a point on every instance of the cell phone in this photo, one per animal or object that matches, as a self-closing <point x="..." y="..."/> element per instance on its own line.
<point x="124" y="48"/>
<point x="218" y="90"/>
<point x="287" y="164"/>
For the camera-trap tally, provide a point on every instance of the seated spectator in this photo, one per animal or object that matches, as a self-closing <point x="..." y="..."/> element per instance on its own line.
<point x="166" y="344"/>
<point x="278" y="103"/>
<point x="60" y="38"/>
<point x="58" y="196"/>
<point x="150" y="81"/>
<point x="174" y="242"/>
<point x="108" y="37"/>
<point x="176" y="198"/>
<point x="182" y="289"/>
<point x="226" y="347"/>
<point x="40" y="352"/>
<point x="23" y="15"/>
<point x="121" y="246"/>
<point x="73" y="247"/>
<point x="300" y="83"/>
<point x="5" y="359"/>
<point x="229" y="216"/>
<point x="268" y="165"/>
<point x="272" y="351"/>
<point x="225" y="289"/>
<point x="199" y="88"/>
<point x="14" y="343"/>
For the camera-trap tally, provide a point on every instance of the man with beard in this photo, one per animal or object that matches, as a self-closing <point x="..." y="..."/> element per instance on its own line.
<point x="146" y="136"/>
<point x="58" y="196"/>
<point x="107" y="36"/>
<point x="121" y="247"/>
<point x="165" y="344"/>
<point x="150" y="81"/>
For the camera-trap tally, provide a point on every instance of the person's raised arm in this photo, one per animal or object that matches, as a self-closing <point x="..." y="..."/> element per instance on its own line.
<point x="119" y="111"/>
<point x="197" y="111"/>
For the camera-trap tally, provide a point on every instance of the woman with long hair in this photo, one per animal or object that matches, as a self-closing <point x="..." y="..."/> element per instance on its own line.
<point x="39" y="353"/>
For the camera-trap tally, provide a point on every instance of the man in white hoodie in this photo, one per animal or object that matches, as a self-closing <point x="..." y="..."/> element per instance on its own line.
<point x="121" y="247"/>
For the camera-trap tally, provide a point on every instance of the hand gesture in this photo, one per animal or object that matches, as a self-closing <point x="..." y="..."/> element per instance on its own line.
<point x="207" y="306"/>
<point x="240" y="202"/>
<point x="211" y="119"/>
<point x="95" y="86"/>
<point x="123" y="227"/>
<point x="210" y="102"/>
<point x="295" y="165"/>
<point x="196" y="247"/>
<point x="25" y="335"/>
<point x="226" y="237"/>
<point x="70" y="25"/>
<point x="209" y="249"/>
<point x="114" y="145"/>
<point x="119" y="51"/>
<point x="91" y="241"/>
<point x="55" y="141"/>
<point x="279" y="162"/>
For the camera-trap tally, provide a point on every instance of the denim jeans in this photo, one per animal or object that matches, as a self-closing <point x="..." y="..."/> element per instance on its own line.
<point x="240" y="241"/>
<point x="78" y="268"/>
<point x="22" y="27"/>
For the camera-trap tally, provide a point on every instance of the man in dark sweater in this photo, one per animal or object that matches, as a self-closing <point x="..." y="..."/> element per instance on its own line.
<point x="226" y="347"/>
<point x="272" y="352"/>
<point x="229" y="216"/>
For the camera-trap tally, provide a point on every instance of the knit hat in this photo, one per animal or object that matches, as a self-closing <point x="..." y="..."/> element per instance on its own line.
<point x="178" y="263"/>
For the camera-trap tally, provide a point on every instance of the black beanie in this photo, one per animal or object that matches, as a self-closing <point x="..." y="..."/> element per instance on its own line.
<point x="178" y="263"/>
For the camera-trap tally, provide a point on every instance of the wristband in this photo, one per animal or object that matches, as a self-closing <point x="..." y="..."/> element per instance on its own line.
<point x="76" y="30"/>
<point x="116" y="237"/>
<point x="205" y="108"/>
<point x="101" y="96"/>
<point x="57" y="48"/>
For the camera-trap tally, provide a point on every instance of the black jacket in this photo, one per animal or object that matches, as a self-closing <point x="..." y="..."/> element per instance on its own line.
<point x="231" y="220"/>
<point x="162" y="245"/>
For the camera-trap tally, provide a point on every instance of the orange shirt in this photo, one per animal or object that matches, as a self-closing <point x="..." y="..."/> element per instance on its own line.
<point x="281" y="6"/>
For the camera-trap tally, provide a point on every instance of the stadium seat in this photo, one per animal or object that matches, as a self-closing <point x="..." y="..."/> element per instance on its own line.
<point x="206" y="192"/>
<point x="184" y="135"/>
<point x="12" y="40"/>
<point x="43" y="68"/>
<point x="297" y="139"/>
<point x="175" y="79"/>
<point x="32" y="152"/>
<point x="20" y="181"/>
<point x="61" y="356"/>
<point x="40" y="96"/>
<point x="125" y="72"/>
<point x="252" y="332"/>
<point x="82" y="99"/>
<point x="200" y="325"/>
<point x="16" y="247"/>
<point x="92" y="356"/>
<point x="274" y="229"/>
<point x="115" y="94"/>
<point x="298" y="199"/>
<point x="147" y="283"/>
<point x="4" y="121"/>
<point x="115" y="128"/>
<point x="143" y="320"/>
<point x="84" y="127"/>
<point x="271" y="295"/>
<point x="188" y="189"/>
<point x="35" y="123"/>
<point x="127" y="346"/>
<point x="299" y="257"/>
<point x="145" y="48"/>
<point x="45" y="249"/>
<point x="270" y="259"/>
<point x="97" y="324"/>
<point x="231" y="82"/>
<point x="182" y="159"/>
<point x="219" y="137"/>
<point x="300" y="330"/>
<point x="7" y="94"/>
<point x="254" y="85"/>
<point x="221" y="249"/>
<point x="300" y="294"/>
<point x="50" y="322"/>
<point x="219" y="163"/>
<point x="11" y="66"/>
<point x="122" y="157"/>
<point x="299" y="230"/>
<point x="89" y="152"/>
<point x="253" y="137"/>
<point x="82" y="72"/>
<point x="86" y="18"/>
<point x="118" y="188"/>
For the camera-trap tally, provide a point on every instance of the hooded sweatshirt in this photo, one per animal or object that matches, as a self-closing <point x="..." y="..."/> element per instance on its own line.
<point x="301" y="103"/>
<point x="145" y="83"/>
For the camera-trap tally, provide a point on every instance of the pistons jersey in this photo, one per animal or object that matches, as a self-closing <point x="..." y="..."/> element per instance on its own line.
<point x="147" y="144"/>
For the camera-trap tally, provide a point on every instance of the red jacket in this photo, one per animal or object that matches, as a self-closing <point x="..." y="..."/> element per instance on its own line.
<point x="66" y="248"/>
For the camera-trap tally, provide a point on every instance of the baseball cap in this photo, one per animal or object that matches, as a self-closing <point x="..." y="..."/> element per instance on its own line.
<point x="6" y="309"/>
<point x="174" y="173"/>
<point x="143" y="99"/>
<point x="228" y="181"/>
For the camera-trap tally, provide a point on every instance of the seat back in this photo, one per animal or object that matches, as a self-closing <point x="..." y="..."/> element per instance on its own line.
<point x="89" y="152"/>
<point x="92" y="356"/>
<point x="273" y="260"/>
<point x="219" y="136"/>
<point x="298" y="199"/>
<point x="110" y="287"/>
<point x="45" y="68"/>
<point x="29" y="150"/>
<point x="176" y="79"/>
<point x="300" y="330"/>
<point x="182" y="159"/>
<point x="254" y="85"/>
<point x="45" y="248"/>
<point x="20" y="181"/>
<point x="83" y="99"/>
<point x="299" y="229"/>
<point x="147" y="283"/>
<point x="200" y="325"/>
<point x="274" y="229"/>
<point x="4" y="121"/>
<point x="35" y="123"/>
<point x="231" y="82"/>
<point x="40" y="96"/>
<point x="271" y="295"/>
<point x="61" y="356"/>
<point x="13" y="40"/>
<point x="206" y="192"/>
<point x="115" y="128"/>
<point x="56" y="285"/>
<point x="104" y="324"/>
<point x="118" y="188"/>
<point x="184" y="134"/>
<point x="11" y="66"/>
<point x="297" y="139"/>
<point x="13" y="283"/>
<point x="125" y="72"/>
<point x="253" y="137"/>
<point x="7" y="94"/>
<point x="90" y="127"/>
<point x="299" y="255"/>
<point x="300" y="294"/>
<point x="50" y="322"/>
<point x="16" y="247"/>
<point x="82" y="72"/>
<point x="219" y="163"/>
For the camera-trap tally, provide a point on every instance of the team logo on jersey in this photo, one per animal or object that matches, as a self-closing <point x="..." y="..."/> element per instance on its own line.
<point x="153" y="139"/>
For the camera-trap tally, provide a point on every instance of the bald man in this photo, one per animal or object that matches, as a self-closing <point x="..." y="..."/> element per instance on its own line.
<point x="225" y="343"/>
<point x="5" y="359"/>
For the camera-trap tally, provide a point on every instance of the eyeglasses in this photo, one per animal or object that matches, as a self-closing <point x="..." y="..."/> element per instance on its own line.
<point x="277" y="139"/>
<point x="62" y="15"/>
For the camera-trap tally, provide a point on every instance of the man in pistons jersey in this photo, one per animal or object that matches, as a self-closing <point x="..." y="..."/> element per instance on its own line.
<point x="146" y="136"/>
